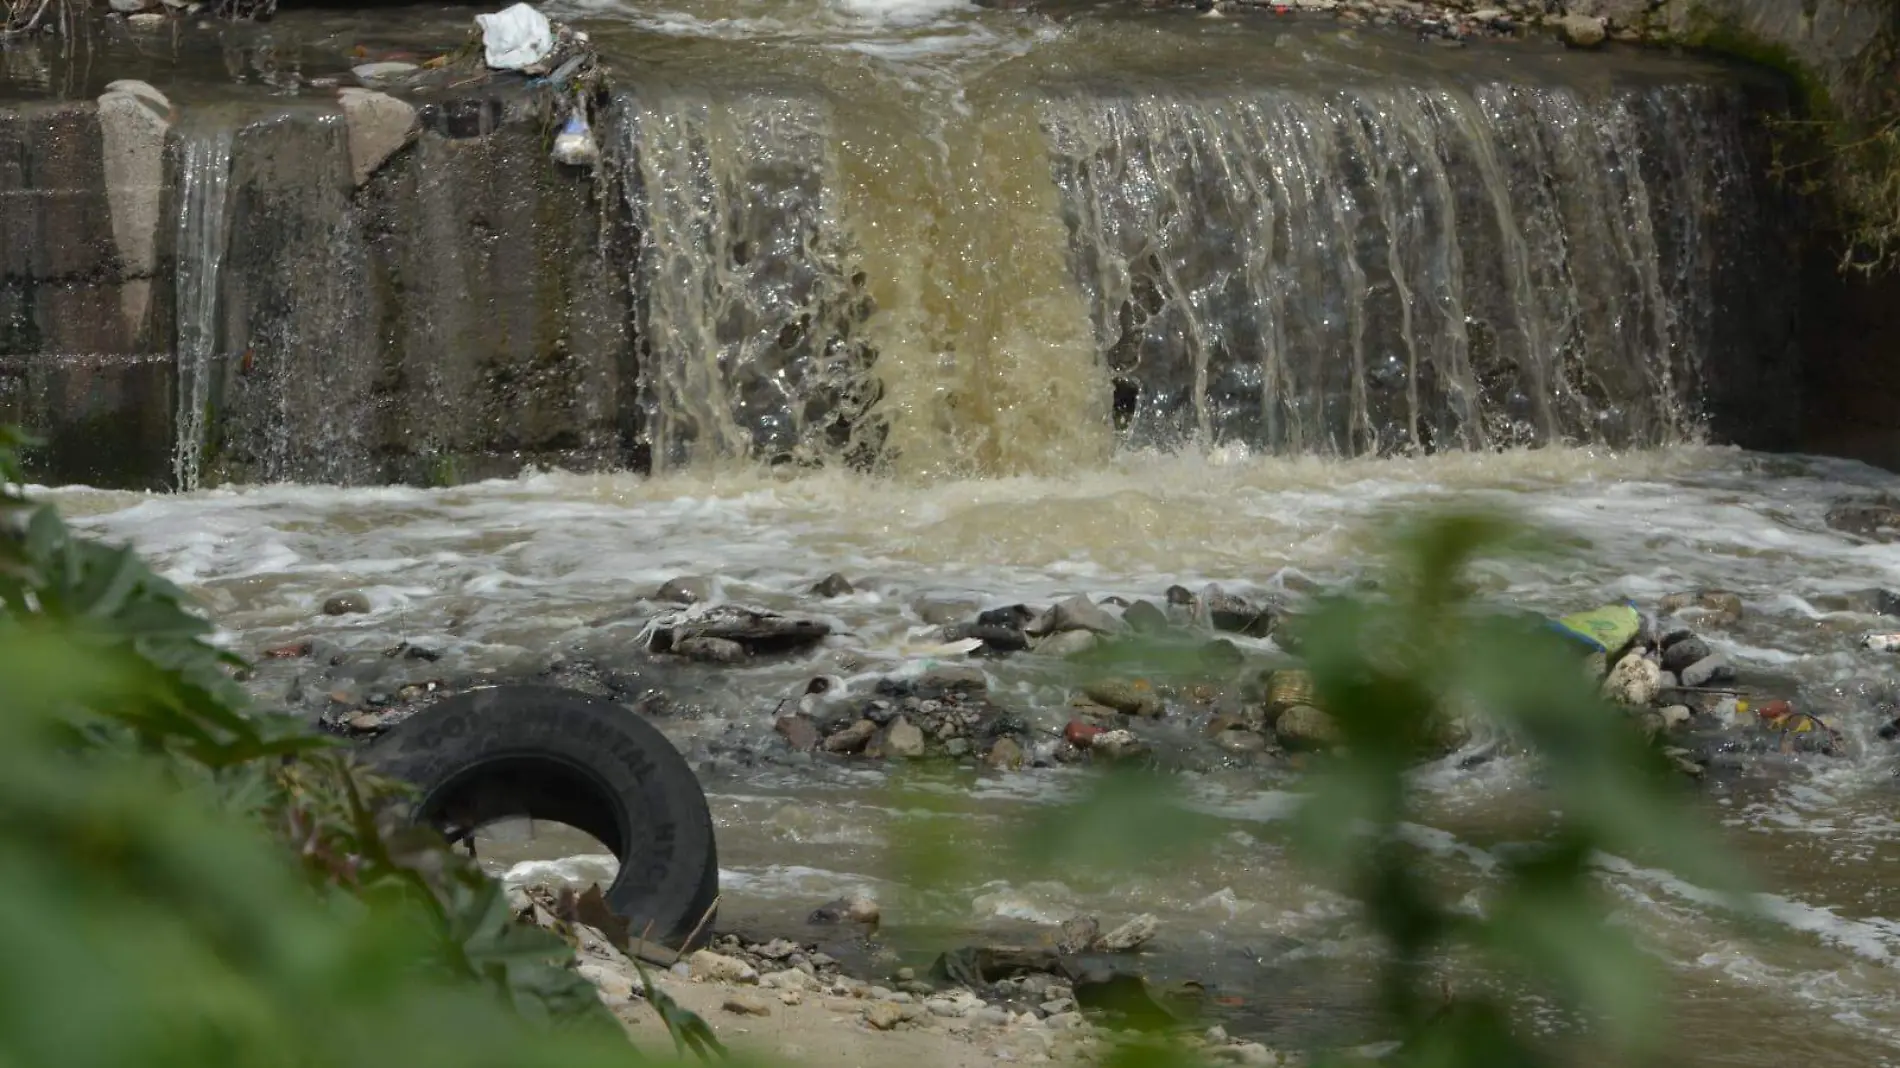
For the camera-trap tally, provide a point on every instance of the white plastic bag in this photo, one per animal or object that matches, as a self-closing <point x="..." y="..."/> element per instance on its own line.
<point x="575" y="144"/>
<point x="516" y="38"/>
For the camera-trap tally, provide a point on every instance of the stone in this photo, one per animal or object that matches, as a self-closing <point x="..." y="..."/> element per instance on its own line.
<point x="1582" y="31"/>
<point x="1067" y="643"/>
<point x="1634" y="682"/>
<point x="788" y="979"/>
<point x="1117" y="745"/>
<point x="346" y="604"/>
<point x="382" y="72"/>
<point x="377" y="125"/>
<point x="1709" y="671"/>
<point x="146" y="20"/>
<point x="1876" y="520"/>
<point x="904" y="740"/>
<point x="856" y="908"/>
<point x="614" y="985"/>
<point x="1873" y="602"/>
<point x="938" y="611"/>
<point x="1145" y="617"/>
<point x="851" y="739"/>
<point x="1004" y="755"/>
<point x="134" y="119"/>
<point x="1306" y="727"/>
<point x="1676" y="716"/>
<point x="686" y="589"/>
<point x="884" y="1015"/>
<point x="833" y="585"/>
<point x="710" y="650"/>
<point x="760" y="630"/>
<point x="799" y="732"/>
<point x="1245" y="1053"/>
<point x="1136" y="697"/>
<point x="1240" y="740"/>
<point x="1076" y="613"/>
<point x="946" y="679"/>
<point x="740" y="1005"/>
<point x="1129" y="936"/>
<point x="128" y="7"/>
<point x="1683" y="653"/>
<point x="1612" y="12"/>
<point x="712" y="967"/>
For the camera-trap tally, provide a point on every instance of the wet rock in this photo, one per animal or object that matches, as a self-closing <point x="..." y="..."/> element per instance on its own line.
<point x="1236" y="614"/>
<point x="904" y="740"/>
<point x="146" y="20"/>
<point x="714" y="967"/>
<point x="946" y="679"/>
<point x="1240" y="741"/>
<point x="1683" y="653"/>
<point x="1720" y="605"/>
<point x="833" y="585"/>
<point x="939" y="611"/>
<point x="995" y="638"/>
<point x="1582" y="31"/>
<point x="1012" y="617"/>
<point x="760" y="630"/>
<point x="1076" y="613"/>
<point x="1221" y="655"/>
<point x="1118" y="745"/>
<point x="1129" y="936"/>
<point x="1634" y="682"/>
<point x="1872" y="602"/>
<point x="1876" y="520"/>
<point x="851" y="739"/>
<point x="799" y="732"/>
<point x="1306" y="727"/>
<point x="855" y="908"/>
<point x="1067" y="643"/>
<point x="686" y="589"/>
<point x="1144" y="617"/>
<point x="1249" y="1054"/>
<point x="1004" y="755"/>
<point x="344" y="604"/>
<point x="1708" y="671"/>
<point x="740" y="1005"/>
<point x="710" y="650"/>
<point x="1136" y="697"/>
<point x="129" y="7"/>
<point x="377" y="124"/>
<point x="1081" y="735"/>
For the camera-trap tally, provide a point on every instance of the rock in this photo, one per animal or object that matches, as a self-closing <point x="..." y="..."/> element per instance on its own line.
<point x="1614" y="12"/>
<point x="760" y="630"/>
<point x="1118" y="745"/>
<point x="1634" y="682"/>
<point x="377" y="124"/>
<point x="1873" y="602"/>
<point x="799" y="732"/>
<point x="1683" y="653"/>
<point x="1720" y="605"/>
<point x="1245" y="1053"/>
<point x="833" y="585"/>
<point x="904" y="740"/>
<point x="1080" y="734"/>
<point x="998" y="639"/>
<point x="851" y="739"/>
<point x="710" y="650"/>
<point x="1876" y="520"/>
<point x="856" y="908"/>
<point x="883" y="1015"/>
<point x="614" y="986"/>
<point x="1076" y="613"/>
<point x="1306" y="727"/>
<point x="1145" y="617"/>
<point x="1131" y="697"/>
<point x="686" y="589"/>
<point x="134" y="119"/>
<point x="1676" y="716"/>
<point x="1240" y="740"/>
<point x="946" y="679"/>
<point x="740" y="1005"/>
<point x="712" y="967"/>
<point x="1708" y="671"/>
<point x="1129" y="936"/>
<point x="345" y="604"/>
<point x="1582" y="31"/>
<point x="1004" y="755"/>
<point x="382" y="72"/>
<point x="128" y="7"/>
<point x="1067" y="643"/>
<point x="789" y="979"/>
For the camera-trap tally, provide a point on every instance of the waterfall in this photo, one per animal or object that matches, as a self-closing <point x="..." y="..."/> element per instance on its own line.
<point x="204" y="184"/>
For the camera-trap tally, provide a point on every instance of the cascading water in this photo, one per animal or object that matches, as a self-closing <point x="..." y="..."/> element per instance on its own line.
<point x="204" y="182"/>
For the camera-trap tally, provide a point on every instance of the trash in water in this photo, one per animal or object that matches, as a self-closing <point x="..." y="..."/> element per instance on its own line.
<point x="1609" y="629"/>
<point x="575" y="144"/>
<point x="1881" y="643"/>
<point x="516" y="38"/>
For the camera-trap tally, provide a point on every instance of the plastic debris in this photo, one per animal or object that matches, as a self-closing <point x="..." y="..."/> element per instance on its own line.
<point x="575" y="144"/>
<point x="516" y="38"/>
<point x="1609" y="629"/>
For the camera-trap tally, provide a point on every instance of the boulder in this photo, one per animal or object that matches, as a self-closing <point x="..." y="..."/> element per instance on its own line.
<point x="345" y="604"/>
<point x="710" y="650"/>
<point x="833" y="585"/>
<point x="1145" y="617"/>
<point x="686" y="589"/>
<point x="851" y="739"/>
<point x="1134" y="697"/>
<point x="1306" y="727"/>
<point x="1076" y="613"/>
<point x="1004" y="755"/>
<point x="712" y="967"/>
<point x="1711" y="670"/>
<point x="1582" y="31"/>
<point x="1634" y="682"/>
<point x="1680" y="655"/>
<point x="377" y="125"/>
<point x="1067" y="643"/>
<point x="904" y="740"/>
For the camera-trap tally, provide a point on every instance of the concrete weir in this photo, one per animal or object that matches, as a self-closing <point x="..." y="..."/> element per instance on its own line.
<point x="797" y="255"/>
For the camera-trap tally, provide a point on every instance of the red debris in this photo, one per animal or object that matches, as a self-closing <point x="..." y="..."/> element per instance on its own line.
<point x="1080" y="734"/>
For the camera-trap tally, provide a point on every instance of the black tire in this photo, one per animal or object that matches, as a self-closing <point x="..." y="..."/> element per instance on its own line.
<point x="565" y="757"/>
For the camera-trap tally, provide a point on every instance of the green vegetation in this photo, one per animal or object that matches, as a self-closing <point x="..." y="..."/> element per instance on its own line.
<point x="194" y="884"/>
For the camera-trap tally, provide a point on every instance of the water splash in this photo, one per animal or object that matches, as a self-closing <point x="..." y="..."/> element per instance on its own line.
<point x="204" y="184"/>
